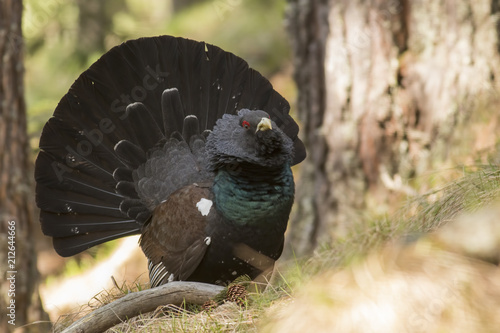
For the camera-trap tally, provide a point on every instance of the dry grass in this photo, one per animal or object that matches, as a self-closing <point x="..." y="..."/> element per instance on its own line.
<point x="478" y="186"/>
<point x="411" y="288"/>
<point x="226" y="318"/>
<point x="104" y="297"/>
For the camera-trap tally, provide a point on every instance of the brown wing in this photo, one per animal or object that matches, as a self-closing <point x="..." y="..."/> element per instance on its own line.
<point x="175" y="240"/>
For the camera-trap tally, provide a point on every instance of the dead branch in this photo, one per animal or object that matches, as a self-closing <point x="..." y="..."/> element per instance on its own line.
<point x="143" y="301"/>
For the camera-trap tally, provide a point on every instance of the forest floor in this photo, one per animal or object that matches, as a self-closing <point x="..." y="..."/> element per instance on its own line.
<point x="434" y="271"/>
<point x="125" y="263"/>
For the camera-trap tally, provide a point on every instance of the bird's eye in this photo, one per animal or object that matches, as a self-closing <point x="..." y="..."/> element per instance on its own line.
<point x="245" y="124"/>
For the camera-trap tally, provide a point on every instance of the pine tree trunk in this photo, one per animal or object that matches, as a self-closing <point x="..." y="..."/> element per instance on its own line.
<point x="19" y="298"/>
<point x="179" y="5"/>
<point x="95" y="24"/>
<point x="382" y="86"/>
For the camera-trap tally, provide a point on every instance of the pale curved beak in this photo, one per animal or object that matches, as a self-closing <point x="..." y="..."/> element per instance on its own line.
<point x="264" y="125"/>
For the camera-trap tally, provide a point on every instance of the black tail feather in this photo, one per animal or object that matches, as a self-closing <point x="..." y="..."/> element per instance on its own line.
<point x="123" y="174"/>
<point x="75" y="147"/>
<point x="190" y="128"/>
<point x="127" y="189"/>
<point x="173" y="114"/>
<point x="132" y="155"/>
<point x="71" y="245"/>
<point x="52" y="174"/>
<point x="138" y="116"/>
<point x="76" y="224"/>
<point x="135" y="209"/>
<point x="57" y="201"/>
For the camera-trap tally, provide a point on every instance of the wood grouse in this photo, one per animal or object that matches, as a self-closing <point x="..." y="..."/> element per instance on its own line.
<point x="181" y="142"/>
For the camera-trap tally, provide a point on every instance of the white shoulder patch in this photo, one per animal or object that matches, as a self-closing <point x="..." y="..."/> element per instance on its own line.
<point x="204" y="206"/>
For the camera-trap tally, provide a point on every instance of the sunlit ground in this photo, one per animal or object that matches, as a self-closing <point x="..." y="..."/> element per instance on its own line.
<point x="65" y="295"/>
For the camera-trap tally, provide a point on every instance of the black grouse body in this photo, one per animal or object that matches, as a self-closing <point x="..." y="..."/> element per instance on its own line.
<point x="178" y="141"/>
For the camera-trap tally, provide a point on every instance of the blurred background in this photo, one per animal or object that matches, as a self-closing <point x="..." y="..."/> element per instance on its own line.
<point x="398" y="105"/>
<point x="63" y="38"/>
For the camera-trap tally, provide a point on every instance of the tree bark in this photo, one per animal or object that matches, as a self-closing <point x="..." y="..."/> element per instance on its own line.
<point x="19" y="298"/>
<point x="307" y="23"/>
<point x="382" y="84"/>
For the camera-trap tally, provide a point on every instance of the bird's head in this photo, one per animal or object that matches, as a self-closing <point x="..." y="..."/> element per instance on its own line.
<point x="251" y="137"/>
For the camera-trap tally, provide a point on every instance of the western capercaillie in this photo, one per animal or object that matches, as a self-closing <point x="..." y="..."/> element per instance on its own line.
<point x="178" y="141"/>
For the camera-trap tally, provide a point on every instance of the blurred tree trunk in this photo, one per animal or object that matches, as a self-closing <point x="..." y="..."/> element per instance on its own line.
<point x="18" y="271"/>
<point x="382" y="86"/>
<point x="95" y="23"/>
<point x="179" y="5"/>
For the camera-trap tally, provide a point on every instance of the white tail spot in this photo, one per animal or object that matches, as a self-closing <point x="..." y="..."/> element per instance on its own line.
<point x="204" y="206"/>
<point x="207" y="240"/>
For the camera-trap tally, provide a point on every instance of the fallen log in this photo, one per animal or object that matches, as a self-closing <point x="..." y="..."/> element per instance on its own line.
<point x="144" y="301"/>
